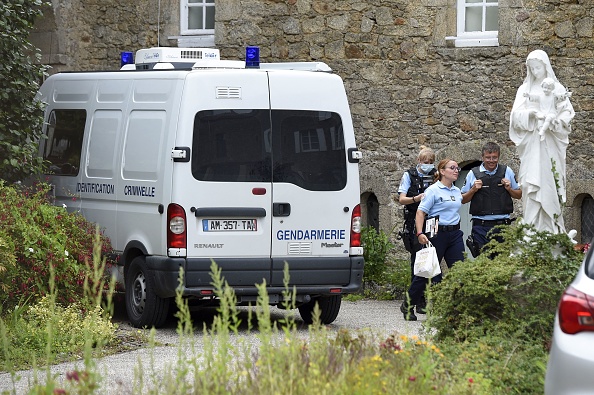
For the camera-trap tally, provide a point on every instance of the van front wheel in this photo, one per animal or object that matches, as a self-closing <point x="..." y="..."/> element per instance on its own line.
<point x="144" y="307"/>
<point x="329" y="308"/>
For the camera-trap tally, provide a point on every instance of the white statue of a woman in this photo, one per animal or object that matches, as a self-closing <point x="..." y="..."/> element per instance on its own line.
<point x="542" y="161"/>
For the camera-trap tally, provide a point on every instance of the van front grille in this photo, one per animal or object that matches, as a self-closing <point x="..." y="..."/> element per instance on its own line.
<point x="299" y="248"/>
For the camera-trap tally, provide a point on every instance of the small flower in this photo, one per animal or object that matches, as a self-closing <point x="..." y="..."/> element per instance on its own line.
<point x="72" y="376"/>
<point x="412" y="378"/>
<point x="64" y="205"/>
<point x="66" y="253"/>
<point x="470" y="380"/>
<point x="31" y="249"/>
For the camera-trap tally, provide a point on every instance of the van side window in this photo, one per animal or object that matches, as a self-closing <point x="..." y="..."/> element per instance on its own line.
<point x="309" y="149"/>
<point x="232" y="145"/>
<point x="62" y="148"/>
<point x="305" y="148"/>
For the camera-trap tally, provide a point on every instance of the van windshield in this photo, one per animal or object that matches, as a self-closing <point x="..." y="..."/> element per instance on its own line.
<point x="305" y="148"/>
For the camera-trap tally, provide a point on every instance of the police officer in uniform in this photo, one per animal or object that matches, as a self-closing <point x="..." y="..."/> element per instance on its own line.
<point x="489" y="188"/>
<point x="410" y="193"/>
<point x="442" y="200"/>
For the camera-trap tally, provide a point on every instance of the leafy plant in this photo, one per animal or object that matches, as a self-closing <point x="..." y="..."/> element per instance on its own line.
<point x="376" y="246"/>
<point x="516" y="292"/>
<point x="43" y="238"/>
<point x="7" y="261"/>
<point x="494" y="314"/>
<point x="46" y="331"/>
<point x="282" y="361"/>
<point x="20" y="115"/>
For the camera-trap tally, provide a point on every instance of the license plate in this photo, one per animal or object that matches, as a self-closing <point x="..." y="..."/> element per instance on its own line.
<point x="229" y="225"/>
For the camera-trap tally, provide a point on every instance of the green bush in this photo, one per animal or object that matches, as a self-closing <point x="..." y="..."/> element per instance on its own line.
<point x="495" y="315"/>
<point x="516" y="292"/>
<point x="7" y="261"/>
<point x="72" y="325"/>
<point x="376" y="247"/>
<point x="513" y="366"/>
<point x="41" y="235"/>
<point x="45" y="332"/>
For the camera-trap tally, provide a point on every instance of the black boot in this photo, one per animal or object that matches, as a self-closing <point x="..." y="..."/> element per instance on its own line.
<point x="408" y="312"/>
<point x="422" y="307"/>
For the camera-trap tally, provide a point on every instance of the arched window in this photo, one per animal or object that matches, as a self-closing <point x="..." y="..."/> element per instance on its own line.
<point x="373" y="211"/>
<point x="587" y="219"/>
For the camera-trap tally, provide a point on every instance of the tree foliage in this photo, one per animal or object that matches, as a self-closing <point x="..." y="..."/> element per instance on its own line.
<point x="21" y="116"/>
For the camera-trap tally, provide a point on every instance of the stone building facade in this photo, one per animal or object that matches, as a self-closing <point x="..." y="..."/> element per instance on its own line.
<point x="408" y="83"/>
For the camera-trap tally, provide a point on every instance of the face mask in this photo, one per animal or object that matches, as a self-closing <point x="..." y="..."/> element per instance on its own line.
<point x="426" y="167"/>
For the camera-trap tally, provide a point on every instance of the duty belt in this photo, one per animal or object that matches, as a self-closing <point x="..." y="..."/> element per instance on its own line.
<point x="482" y="222"/>
<point x="448" y="228"/>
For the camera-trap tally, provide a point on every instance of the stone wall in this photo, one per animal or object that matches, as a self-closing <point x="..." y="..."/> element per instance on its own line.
<point x="407" y="85"/>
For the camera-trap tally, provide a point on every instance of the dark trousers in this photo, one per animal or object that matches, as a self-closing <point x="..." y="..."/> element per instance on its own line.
<point x="449" y="246"/>
<point x="416" y="246"/>
<point x="481" y="235"/>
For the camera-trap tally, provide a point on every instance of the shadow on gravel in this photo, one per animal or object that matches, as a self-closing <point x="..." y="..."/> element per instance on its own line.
<point x="204" y="315"/>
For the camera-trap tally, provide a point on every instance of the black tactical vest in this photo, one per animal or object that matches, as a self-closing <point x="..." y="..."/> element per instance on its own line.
<point x="418" y="184"/>
<point x="494" y="199"/>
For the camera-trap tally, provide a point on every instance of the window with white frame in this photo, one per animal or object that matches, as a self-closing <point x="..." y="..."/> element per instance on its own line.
<point x="197" y="17"/>
<point x="477" y="23"/>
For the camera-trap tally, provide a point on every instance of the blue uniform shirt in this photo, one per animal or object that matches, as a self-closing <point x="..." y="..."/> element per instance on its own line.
<point x="470" y="179"/>
<point x="443" y="201"/>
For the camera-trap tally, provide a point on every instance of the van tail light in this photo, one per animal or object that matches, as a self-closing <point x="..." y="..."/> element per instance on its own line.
<point x="176" y="226"/>
<point x="576" y="311"/>
<point x="356" y="227"/>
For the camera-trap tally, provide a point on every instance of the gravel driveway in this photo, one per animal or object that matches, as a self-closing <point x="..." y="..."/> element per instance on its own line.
<point x="380" y="317"/>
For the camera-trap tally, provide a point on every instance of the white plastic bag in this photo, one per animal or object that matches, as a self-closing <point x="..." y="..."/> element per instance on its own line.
<point x="426" y="262"/>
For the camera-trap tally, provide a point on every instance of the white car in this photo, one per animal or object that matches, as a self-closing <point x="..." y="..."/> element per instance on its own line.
<point x="570" y="369"/>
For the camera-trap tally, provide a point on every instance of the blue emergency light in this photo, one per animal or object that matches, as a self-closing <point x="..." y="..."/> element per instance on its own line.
<point x="126" y="58"/>
<point x="252" y="57"/>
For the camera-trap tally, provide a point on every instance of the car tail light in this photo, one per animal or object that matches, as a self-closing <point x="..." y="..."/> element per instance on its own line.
<point x="176" y="226"/>
<point x="576" y="311"/>
<point x="356" y="227"/>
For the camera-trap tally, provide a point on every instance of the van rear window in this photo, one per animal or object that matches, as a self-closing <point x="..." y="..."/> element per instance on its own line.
<point x="305" y="148"/>
<point x="62" y="148"/>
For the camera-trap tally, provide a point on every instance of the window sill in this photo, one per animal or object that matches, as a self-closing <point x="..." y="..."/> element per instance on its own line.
<point x="201" y="41"/>
<point x="464" y="42"/>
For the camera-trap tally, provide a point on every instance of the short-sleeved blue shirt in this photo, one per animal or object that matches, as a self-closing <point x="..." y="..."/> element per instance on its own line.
<point x="443" y="201"/>
<point x="470" y="179"/>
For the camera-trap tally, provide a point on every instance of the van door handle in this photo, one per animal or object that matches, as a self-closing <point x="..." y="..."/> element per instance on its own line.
<point x="281" y="209"/>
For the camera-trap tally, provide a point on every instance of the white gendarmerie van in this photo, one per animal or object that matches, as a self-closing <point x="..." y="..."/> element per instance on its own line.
<point x="185" y="159"/>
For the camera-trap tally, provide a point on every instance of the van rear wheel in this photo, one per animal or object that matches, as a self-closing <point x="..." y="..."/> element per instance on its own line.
<point x="144" y="307"/>
<point x="329" y="308"/>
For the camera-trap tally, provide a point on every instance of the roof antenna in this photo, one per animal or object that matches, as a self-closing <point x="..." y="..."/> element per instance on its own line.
<point x="159" y="25"/>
